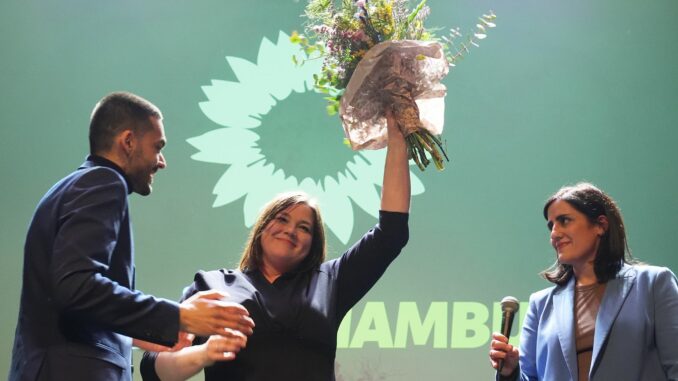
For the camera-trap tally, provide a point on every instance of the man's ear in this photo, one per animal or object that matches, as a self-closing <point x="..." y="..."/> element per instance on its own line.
<point x="127" y="142"/>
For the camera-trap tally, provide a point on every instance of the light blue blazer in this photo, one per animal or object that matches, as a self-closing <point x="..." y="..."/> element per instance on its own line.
<point x="636" y="334"/>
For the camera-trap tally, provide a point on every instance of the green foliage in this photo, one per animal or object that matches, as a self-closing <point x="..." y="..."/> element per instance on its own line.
<point x="341" y="36"/>
<point x="455" y="53"/>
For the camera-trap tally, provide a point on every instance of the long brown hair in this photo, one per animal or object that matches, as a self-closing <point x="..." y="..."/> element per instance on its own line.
<point x="251" y="258"/>
<point x="613" y="250"/>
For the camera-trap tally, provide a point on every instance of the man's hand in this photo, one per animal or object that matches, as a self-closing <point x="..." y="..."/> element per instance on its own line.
<point x="207" y="313"/>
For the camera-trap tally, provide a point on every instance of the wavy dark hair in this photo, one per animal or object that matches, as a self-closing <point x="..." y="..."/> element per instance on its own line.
<point x="251" y="258"/>
<point x="613" y="250"/>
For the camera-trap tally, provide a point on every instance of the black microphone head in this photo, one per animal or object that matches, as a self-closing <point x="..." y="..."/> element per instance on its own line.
<point x="509" y="303"/>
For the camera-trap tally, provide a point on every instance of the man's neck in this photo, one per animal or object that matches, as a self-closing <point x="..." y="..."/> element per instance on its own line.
<point x="113" y="158"/>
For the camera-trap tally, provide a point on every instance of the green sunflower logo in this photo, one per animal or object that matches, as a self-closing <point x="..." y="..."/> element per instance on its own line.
<point x="276" y="137"/>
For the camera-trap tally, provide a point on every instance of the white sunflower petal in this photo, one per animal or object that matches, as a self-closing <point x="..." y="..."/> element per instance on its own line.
<point x="311" y="187"/>
<point x="286" y="75"/>
<point x="217" y="146"/>
<point x="225" y="106"/>
<point x="262" y="190"/>
<point x="363" y="193"/>
<point x="337" y="210"/>
<point x="244" y="70"/>
<point x="368" y="166"/>
<point x="230" y="186"/>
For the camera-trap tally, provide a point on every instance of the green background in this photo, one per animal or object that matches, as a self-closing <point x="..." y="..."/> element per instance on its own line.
<point x="561" y="91"/>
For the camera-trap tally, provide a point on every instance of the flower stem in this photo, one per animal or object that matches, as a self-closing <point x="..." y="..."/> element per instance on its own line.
<point x="422" y="141"/>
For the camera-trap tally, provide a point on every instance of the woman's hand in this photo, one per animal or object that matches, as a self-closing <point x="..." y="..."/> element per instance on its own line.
<point x="500" y="349"/>
<point x="185" y="340"/>
<point x="223" y="347"/>
<point x="184" y="364"/>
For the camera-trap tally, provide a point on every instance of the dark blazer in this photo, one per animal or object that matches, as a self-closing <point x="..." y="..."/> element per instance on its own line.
<point x="78" y="307"/>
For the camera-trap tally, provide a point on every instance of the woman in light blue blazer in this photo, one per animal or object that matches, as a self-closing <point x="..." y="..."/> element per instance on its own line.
<point x="608" y="317"/>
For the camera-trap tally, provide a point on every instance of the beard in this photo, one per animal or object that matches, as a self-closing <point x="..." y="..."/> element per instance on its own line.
<point x="141" y="182"/>
<point x="140" y="176"/>
<point x="141" y="168"/>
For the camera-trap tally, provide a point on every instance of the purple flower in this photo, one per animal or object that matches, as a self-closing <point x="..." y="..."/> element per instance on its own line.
<point x="358" y="35"/>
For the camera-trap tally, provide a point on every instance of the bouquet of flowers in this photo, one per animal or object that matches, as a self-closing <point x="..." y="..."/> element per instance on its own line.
<point x="378" y="54"/>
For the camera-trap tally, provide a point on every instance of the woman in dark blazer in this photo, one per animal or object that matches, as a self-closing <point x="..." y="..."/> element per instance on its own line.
<point x="296" y="298"/>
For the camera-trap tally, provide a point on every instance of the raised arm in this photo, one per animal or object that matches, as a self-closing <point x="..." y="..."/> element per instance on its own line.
<point x="363" y="264"/>
<point x="395" y="193"/>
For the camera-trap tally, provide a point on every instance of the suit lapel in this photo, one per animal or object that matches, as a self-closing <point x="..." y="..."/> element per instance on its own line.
<point x="563" y="302"/>
<point x="616" y="292"/>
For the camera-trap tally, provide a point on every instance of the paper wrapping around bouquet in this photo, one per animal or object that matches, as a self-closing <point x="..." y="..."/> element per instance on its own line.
<point x="413" y="68"/>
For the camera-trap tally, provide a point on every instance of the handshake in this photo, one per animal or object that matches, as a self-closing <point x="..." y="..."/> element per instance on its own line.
<point x="208" y="313"/>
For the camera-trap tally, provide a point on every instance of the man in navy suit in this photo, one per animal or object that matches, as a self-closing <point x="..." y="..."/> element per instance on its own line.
<point x="80" y="314"/>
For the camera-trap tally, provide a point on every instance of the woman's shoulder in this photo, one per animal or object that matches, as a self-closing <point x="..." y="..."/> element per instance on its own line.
<point x="645" y="271"/>
<point x="206" y="280"/>
<point x="541" y="296"/>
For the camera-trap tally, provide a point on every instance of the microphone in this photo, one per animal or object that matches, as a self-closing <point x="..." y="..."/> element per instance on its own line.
<point x="509" y="306"/>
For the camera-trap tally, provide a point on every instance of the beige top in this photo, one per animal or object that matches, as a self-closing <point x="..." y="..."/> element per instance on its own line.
<point x="586" y="303"/>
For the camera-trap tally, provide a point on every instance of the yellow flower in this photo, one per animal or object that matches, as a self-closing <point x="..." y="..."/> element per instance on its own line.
<point x="382" y="18"/>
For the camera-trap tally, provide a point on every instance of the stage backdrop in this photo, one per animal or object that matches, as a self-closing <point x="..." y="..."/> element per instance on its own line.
<point x="560" y="91"/>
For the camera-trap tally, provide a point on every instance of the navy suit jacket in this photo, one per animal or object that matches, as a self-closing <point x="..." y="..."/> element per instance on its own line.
<point x="78" y="305"/>
<point x="636" y="332"/>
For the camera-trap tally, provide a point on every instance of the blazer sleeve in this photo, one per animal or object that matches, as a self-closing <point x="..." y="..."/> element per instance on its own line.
<point x="665" y="294"/>
<point x="361" y="266"/>
<point x="527" y="365"/>
<point x="91" y="215"/>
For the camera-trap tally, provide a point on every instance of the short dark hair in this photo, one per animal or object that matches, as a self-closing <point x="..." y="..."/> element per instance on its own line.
<point x="613" y="250"/>
<point x="117" y="112"/>
<point x="252" y="255"/>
